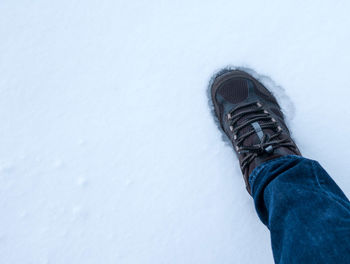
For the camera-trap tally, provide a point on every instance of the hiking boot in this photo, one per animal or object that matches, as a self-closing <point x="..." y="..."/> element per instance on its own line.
<point x="252" y="119"/>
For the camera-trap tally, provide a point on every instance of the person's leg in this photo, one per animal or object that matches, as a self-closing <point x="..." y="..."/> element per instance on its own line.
<point x="307" y="213"/>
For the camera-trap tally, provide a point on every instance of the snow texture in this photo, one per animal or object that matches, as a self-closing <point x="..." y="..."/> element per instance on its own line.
<point x="109" y="152"/>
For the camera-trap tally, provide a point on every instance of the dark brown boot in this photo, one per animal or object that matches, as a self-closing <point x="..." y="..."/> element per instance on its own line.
<point x="252" y="119"/>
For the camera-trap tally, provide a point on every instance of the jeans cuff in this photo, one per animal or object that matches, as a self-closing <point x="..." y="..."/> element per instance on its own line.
<point x="257" y="170"/>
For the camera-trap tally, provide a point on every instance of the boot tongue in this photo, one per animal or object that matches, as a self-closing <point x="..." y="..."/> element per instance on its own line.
<point x="256" y="126"/>
<point x="255" y="139"/>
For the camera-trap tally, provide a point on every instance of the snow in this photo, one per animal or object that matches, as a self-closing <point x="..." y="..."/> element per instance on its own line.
<point x="109" y="153"/>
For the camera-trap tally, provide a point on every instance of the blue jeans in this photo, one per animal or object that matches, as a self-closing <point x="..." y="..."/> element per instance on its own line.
<point x="307" y="214"/>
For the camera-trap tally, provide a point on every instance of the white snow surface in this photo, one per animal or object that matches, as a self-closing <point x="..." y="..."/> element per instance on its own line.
<point x="109" y="152"/>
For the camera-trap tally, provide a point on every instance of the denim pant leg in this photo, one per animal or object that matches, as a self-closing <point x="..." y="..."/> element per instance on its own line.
<point x="306" y="212"/>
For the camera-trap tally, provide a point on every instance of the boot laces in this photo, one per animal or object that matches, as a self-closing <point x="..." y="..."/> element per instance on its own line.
<point x="268" y="143"/>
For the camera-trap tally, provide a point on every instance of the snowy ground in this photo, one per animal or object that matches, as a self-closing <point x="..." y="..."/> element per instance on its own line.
<point x="109" y="153"/>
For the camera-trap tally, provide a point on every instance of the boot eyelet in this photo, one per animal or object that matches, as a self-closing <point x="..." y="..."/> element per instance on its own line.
<point x="234" y="137"/>
<point x="273" y="120"/>
<point x="266" y="112"/>
<point x="237" y="148"/>
<point x="231" y="128"/>
<point x="279" y="128"/>
<point x="229" y="116"/>
<point x="258" y="104"/>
